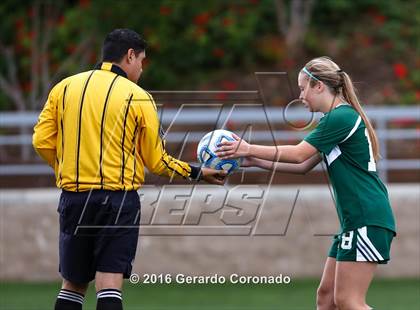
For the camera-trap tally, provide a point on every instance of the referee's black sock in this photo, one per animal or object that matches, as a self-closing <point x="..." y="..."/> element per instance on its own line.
<point x="69" y="300"/>
<point x="109" y="299"/>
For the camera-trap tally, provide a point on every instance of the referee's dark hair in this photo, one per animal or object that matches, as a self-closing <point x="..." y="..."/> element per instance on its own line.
<point x="119" y="41"/>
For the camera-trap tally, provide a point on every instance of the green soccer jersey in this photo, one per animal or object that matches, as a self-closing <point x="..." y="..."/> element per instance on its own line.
<point x="361" y="197"/>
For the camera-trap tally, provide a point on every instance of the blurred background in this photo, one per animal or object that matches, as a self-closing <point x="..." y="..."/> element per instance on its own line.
<point x="228" y="50"/>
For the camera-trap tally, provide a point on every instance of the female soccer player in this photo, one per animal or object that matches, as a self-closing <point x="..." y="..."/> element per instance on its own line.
<point x="346" y="141"/>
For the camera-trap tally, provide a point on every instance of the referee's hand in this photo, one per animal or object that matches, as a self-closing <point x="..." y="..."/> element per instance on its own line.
<point x="213" y="176"/>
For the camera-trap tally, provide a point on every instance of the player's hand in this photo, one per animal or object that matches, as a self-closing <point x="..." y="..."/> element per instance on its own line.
<point x="233" y="149"/>
<point x="213" y="176"/>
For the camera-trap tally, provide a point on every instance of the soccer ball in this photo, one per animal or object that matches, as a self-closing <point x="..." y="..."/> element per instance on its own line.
<point x="207" y="147"/>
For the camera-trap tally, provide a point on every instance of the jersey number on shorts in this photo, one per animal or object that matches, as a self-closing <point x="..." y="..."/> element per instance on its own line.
<point x="346" y="240"/>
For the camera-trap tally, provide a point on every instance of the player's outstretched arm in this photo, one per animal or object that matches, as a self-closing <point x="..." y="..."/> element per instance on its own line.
<point x="153" y="153"/>
<point x="301" y="168"/>
<point x="284" y="153"/>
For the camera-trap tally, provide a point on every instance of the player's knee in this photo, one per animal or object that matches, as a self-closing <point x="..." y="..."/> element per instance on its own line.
<point x="324" y="291"/>
<point x="79" y="288"/>
<point x="106" y="283"/>
<point x="108" y="280"/>
<point x="347" y="302"/>
<point x="325" y="296"/>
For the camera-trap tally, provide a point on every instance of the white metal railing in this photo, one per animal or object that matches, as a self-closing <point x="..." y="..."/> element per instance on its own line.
<point x="217" y="117"/>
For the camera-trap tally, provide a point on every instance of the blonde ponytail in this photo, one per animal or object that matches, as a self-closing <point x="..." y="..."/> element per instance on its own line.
<point x="340" y="84"/>
<point x="349" y="95"/>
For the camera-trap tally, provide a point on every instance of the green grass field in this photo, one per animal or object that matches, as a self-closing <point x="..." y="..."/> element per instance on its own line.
<point x="298" y="295"/>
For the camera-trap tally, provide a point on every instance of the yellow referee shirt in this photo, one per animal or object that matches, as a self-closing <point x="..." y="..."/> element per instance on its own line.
<point x="98" y="130"/>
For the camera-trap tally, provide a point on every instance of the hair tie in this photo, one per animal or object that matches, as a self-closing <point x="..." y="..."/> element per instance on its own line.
<point x="340" y="71"/>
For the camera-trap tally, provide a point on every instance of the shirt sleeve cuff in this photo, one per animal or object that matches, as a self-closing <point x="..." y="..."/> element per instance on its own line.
<point x="195" y="173"/>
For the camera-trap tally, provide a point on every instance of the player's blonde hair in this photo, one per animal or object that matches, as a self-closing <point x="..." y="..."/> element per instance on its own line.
<point x="323" y="69"/>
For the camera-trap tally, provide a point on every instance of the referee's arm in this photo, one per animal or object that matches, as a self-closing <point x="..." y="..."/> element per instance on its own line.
<point x="152" y="149"/>
<point x="44" y="139"/>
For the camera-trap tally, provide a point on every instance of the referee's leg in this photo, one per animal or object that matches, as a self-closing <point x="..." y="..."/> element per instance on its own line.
<point x="74" y="253"/>
<point x="108" y="290"/>
<point x="71" y="296"/>
<point x="115" y="246"/>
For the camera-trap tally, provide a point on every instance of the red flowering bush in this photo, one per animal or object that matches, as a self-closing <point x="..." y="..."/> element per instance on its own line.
<point x="191" y="42"/>
<point x="400" y="70"/>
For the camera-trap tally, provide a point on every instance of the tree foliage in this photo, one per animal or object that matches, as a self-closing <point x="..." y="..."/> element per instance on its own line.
<point x="192" y="41"/>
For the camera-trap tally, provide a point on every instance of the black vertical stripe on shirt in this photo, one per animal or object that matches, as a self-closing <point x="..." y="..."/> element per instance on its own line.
<point x="134" y="142"/>
<point x="62" y="134"/>
<point x="79" y="130"/>
<point x="123" y="138"/>
<point x="133" y="150"/>
<point x="102" y="131"/>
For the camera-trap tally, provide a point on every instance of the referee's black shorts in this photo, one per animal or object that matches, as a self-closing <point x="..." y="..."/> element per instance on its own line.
<point x="99" y="231"/>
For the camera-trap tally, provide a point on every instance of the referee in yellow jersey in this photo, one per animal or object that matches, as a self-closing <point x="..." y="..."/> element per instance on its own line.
<point x="98" y="130"/>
